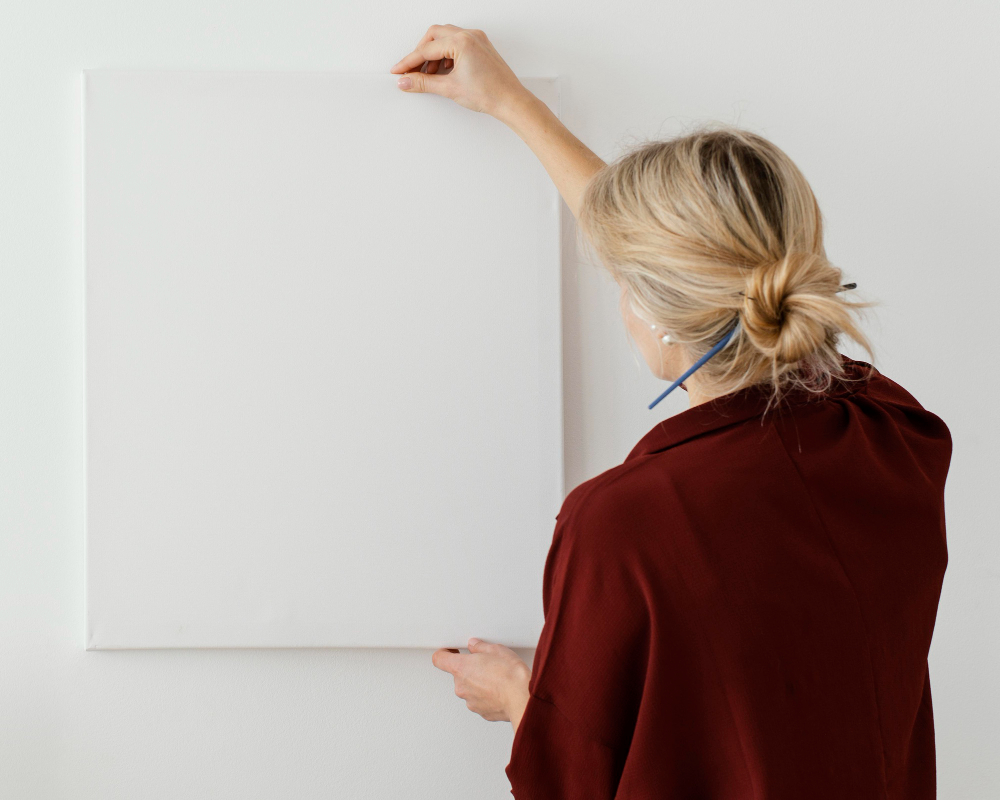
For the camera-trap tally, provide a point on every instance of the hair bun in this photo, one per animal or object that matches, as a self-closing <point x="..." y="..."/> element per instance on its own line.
<point x="790" y="306"/>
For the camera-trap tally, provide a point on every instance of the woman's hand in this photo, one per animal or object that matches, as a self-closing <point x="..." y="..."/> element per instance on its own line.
<point x="491" y="678"/>
<point x="463" y="65"/>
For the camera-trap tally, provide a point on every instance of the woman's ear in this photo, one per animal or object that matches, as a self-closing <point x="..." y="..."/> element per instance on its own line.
<point x="665" y="338"/>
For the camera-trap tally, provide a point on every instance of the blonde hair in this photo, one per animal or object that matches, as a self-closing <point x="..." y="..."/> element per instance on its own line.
<point x="719" y="226"/>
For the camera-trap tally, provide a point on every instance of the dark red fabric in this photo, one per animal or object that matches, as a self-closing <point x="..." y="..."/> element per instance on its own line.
<point x="744" y="607"/>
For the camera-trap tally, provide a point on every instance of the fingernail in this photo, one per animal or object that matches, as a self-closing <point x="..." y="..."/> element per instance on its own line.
<point x="404" y="83"/>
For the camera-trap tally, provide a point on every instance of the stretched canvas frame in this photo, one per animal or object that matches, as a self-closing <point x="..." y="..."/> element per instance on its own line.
<point x="323" y="364"/>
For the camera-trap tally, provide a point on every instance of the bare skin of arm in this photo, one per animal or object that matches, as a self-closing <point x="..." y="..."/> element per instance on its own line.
<point x="569" y="162"/>
<point x="462" y="64"/>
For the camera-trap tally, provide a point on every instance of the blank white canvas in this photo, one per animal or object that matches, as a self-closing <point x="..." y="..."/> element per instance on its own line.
<point x="323" y="378"/>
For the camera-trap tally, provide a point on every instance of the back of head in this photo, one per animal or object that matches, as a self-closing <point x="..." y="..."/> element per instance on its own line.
<point x="720" y="226"/>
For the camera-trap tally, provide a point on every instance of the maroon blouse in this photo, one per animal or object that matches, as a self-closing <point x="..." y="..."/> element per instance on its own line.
<point x="743" y="608"/>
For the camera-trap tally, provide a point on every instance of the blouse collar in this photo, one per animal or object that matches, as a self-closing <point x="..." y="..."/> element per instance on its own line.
<point x="741" y="405"/>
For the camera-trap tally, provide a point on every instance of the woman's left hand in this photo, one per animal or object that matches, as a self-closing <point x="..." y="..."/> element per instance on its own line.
<point x="491" y="678"/>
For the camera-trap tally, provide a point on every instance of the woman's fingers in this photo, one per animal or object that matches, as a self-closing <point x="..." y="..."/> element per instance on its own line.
<point x="463" y="65"/>
<point x="433" y="32"/>
<point x="439" y="67"/>
<point x="487" y="678"/>
<point x="446" y="45"/>
<point x="442" y="658"/>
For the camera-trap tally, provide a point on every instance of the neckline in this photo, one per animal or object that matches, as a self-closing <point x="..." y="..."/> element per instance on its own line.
<point x="741" y="405"/>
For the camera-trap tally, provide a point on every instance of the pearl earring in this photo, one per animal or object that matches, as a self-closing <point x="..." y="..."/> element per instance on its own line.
<point x="665" y="338"/>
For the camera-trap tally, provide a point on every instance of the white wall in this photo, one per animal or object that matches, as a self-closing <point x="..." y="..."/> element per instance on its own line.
<point x="890" y="109"/>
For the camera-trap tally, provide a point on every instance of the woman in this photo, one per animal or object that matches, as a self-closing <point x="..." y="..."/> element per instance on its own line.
<point x="744" y="607"/>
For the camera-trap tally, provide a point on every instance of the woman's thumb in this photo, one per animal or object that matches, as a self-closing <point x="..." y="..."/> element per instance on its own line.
<point x="422" y="82"/>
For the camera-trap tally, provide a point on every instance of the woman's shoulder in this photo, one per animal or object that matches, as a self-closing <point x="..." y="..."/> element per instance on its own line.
<point x="603" y="514"/>
<point x="869" y="384"/>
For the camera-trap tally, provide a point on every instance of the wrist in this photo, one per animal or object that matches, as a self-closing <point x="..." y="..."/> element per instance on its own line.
<point x="517" y="107"/>
<point x="517" y="699"/>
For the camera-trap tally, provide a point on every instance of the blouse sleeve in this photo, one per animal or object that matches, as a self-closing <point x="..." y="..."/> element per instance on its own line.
<point x="590" y="662"/>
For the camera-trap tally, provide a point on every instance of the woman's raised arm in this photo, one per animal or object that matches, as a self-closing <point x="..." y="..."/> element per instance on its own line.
<point x="463" y="65"/>
<point x="569" y="162"/>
